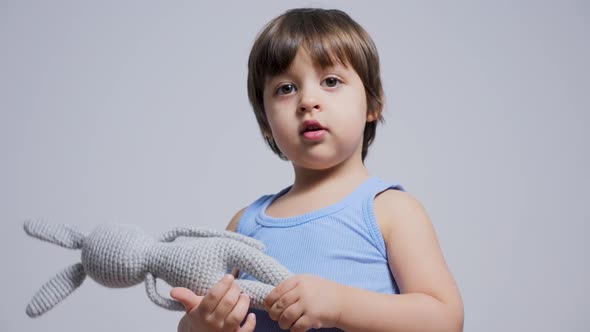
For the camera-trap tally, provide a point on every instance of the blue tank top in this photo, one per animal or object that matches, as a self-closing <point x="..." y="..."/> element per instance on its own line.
<point x="341" y="242"/>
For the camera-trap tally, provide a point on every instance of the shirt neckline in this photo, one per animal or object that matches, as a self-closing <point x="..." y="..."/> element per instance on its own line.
<point x="263" y="219"/>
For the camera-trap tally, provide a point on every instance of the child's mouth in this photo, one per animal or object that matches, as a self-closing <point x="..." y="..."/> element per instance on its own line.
<point x="314" y="134"/>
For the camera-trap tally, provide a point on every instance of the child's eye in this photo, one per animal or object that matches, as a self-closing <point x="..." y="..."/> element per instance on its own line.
<point x="285" y="89"/>
<point x="332" y="81"/>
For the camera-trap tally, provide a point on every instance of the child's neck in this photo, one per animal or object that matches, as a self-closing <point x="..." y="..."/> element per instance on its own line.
<point x="337" y="179"/>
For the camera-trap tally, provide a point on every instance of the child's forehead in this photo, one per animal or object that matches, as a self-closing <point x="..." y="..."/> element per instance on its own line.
<point x="306" y="59"/>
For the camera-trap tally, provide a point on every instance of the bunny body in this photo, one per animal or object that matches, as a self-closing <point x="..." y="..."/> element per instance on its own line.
<point x="118" y="256"/>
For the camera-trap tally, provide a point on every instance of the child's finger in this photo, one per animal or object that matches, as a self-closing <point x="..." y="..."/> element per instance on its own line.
<point x="185" y="296"/>
<point x="301" y="325"/>
<point x="290" y="315"/>
<point x="215" y="294"/>
<point x="237" y="314"/>
<point x="250" y="323"/>
<point x="283" y="303"/>
<point x="227" y="303"/>
<point x="279" y="291"/>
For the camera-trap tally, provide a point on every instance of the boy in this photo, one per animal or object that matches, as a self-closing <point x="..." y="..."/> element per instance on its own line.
<point x="364" y="252"/>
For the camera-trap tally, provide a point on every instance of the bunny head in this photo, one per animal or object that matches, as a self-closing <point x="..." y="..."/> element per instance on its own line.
<point x="116" y="255"/>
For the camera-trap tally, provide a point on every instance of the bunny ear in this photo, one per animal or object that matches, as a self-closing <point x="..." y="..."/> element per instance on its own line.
<point x="204" y="232"/>
<point x="62" y="235"/>
<point x="56" y="289"/>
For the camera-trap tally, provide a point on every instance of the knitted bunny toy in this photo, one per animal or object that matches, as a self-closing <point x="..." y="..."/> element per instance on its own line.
<point x="117" y="256"/>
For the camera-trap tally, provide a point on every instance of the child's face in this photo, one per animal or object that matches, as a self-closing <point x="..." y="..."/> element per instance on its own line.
<point x="335" y="97"/>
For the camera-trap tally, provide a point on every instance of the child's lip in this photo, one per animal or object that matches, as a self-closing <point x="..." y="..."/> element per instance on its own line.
<point x="314" y="135"/>
<point x="310" y="123"/>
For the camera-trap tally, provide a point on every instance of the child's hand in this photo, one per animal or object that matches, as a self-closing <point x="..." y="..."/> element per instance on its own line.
<point x="222" y="309"/>
<point x="303" y="302"/>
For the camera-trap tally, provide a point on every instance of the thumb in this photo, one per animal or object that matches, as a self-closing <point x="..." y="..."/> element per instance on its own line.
<point x="188" y="298"/>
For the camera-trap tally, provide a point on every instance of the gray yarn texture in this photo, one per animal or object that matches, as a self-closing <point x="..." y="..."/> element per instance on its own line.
<point x="118" y="255"/>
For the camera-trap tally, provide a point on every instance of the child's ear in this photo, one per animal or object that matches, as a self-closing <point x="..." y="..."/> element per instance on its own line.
<point x="373" y="115"/>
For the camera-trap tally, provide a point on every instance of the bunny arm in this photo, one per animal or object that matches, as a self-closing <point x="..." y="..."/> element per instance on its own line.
<point x="256" y="290"/>
<point x="152" y="291"/>
<point x="203" y="232"/>
<point x="63" y="235"/>
<point x="56" y="289"/>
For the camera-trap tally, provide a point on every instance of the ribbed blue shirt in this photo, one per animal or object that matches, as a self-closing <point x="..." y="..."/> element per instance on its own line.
<point x="341" y="242"/>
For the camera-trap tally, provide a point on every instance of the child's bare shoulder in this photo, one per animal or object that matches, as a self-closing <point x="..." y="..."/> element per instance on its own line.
<point x="393" y="208"/>
<point x="233" y="223"/>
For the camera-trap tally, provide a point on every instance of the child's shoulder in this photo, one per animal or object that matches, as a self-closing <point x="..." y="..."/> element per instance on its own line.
<point x="397" y="200"/>
<point x="393" y="208"/>
<point x="235" y="220"/>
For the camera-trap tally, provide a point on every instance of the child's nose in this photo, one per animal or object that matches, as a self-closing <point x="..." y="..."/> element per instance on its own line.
<point x="309" y="107"/>
<point x="309" y="101"/>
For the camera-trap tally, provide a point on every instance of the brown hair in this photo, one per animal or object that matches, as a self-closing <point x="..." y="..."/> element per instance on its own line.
<point x="328" y="35"/>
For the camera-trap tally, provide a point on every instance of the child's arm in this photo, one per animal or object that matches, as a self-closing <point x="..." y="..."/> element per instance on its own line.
<point x="429" y="299"/>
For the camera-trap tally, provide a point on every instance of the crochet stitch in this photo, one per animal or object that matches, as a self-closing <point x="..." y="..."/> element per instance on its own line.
<point x="117" y="255"/>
